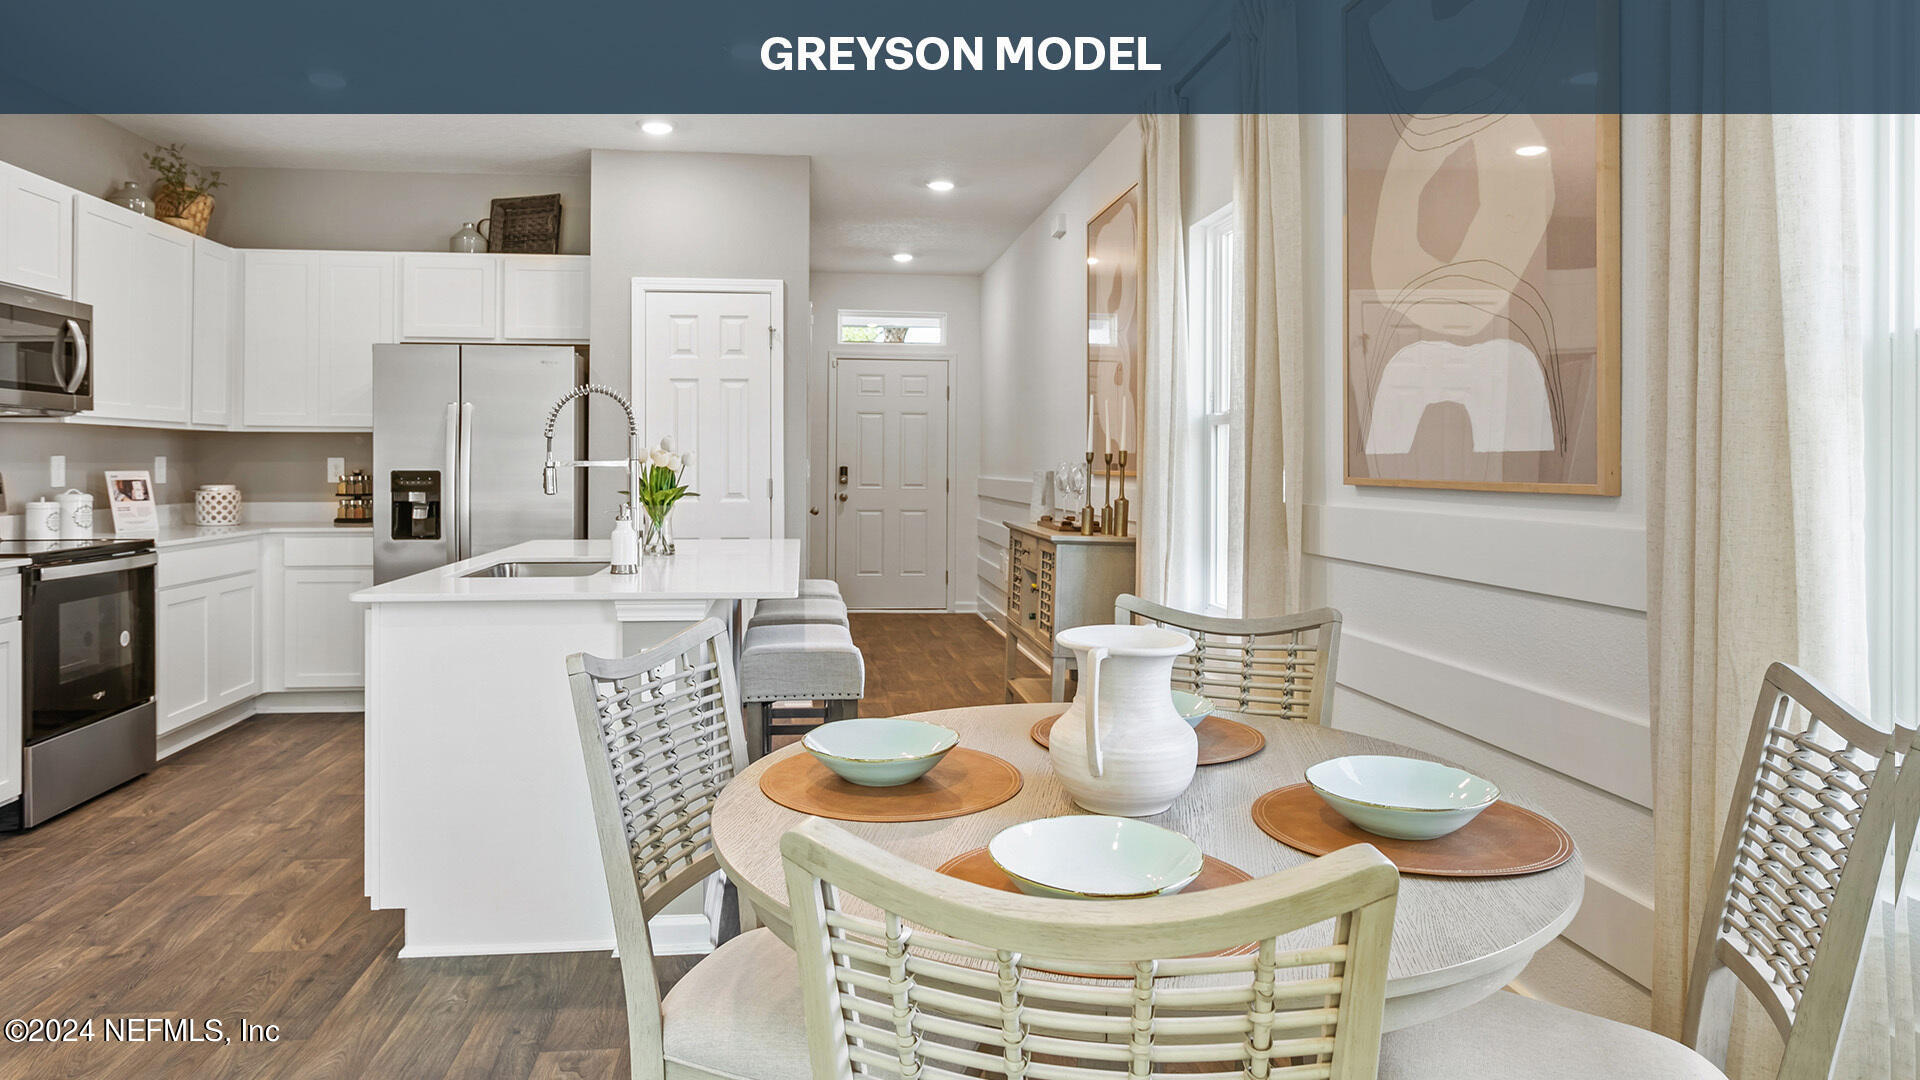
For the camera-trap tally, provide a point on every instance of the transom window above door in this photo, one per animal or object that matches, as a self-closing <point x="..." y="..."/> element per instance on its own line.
<point x="893" y="328"/>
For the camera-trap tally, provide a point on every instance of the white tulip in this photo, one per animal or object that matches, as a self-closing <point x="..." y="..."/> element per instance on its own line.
<point x="666" y="443"/>
<point x="673" y="463"/>
<point x="658" y="459"/>
<point x="686" y="462"/>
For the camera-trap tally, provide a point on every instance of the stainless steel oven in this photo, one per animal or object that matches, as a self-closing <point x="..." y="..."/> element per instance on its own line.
<point x="46" y="361"/>
<point x="87" y="617"/>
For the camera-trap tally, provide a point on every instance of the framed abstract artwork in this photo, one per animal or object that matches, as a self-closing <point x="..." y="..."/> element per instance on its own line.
<point x="1116" y="326"/>
<point x="1482" y="301"/>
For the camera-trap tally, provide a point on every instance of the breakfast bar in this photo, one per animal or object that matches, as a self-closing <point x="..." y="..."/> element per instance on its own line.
<point x="477" y="818"/>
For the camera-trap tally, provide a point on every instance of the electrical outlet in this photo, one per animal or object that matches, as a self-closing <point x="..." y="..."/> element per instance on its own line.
<point x="57" y="470"/>
<point x="336" y="468"/>
<point x="160" y="468"/>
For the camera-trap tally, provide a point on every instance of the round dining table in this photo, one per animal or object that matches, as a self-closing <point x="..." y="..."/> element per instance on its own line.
<point x="1455" y="940"/>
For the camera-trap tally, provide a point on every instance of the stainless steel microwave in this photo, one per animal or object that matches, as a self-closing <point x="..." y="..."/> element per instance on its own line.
<point x="45" y="355"/>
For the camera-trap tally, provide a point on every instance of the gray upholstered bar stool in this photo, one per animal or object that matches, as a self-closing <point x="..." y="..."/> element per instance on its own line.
<point x="799" y="609"/>
<point x="797" y="671"/>
<point x="819" y="586"/>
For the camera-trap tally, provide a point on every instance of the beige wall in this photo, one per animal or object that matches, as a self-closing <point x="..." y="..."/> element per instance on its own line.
<point x="958" y="297"/>
<point x="1033" y="336"/>
<point x="339" y="210"/>
<point x="80" y="151"/>
<point x="705" y="216"/>
<point x="268" y="466"/>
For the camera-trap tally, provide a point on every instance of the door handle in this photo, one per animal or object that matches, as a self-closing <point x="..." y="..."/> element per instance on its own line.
<point x="79" y="356"/>
<point x="466" y="479"/>
<point x="843" y="496"/>
<point x="843" y="475"/>
<point x="450" y="522"/>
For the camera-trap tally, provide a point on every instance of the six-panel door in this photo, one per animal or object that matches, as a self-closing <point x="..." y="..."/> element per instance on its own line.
<point x="890" y="513"/>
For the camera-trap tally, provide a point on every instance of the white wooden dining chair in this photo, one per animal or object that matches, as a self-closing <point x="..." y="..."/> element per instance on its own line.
<point x="950" y="979"/>
<point x="1787" y="911"/>
<point x="1281" y="666"/>
<point x="661" y="734"/>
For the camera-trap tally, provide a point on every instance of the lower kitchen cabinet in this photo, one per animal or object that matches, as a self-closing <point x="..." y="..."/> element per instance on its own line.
<point x="12" y="677"/>
<point x="325" y="633"/>
<point x="209" y="647"/>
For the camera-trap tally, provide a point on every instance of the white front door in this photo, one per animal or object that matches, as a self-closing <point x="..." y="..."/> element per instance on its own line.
<point x="709" y="381"/>
<point x="889" y="483"/>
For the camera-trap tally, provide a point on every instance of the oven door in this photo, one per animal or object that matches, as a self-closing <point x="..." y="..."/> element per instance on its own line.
<point x="45" y="354"/>
<point x="89" y="642"/>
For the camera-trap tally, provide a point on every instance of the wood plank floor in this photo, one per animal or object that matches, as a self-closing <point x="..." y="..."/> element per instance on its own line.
<point x="226" y="886"/>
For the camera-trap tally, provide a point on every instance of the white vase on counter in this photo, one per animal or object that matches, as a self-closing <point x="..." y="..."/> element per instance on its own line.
<point x="1121" y="747"/>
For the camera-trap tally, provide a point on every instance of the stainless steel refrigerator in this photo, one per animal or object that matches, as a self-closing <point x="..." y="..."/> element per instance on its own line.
<point x="457" y="451"/>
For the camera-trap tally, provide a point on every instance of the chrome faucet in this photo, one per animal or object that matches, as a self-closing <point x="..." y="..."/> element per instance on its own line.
<point x="549" y="473"/>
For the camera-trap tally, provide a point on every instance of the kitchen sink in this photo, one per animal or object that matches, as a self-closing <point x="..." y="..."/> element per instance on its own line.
<point x="538" y="569"/>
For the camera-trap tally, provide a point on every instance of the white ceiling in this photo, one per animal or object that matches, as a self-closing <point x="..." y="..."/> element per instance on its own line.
<point x="869" y="172"/>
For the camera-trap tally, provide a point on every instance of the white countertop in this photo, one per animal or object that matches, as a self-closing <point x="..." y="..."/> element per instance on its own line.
<point x="701" y="570"/>
<point x="187" y="535"/>
<point x="12" y="564"/>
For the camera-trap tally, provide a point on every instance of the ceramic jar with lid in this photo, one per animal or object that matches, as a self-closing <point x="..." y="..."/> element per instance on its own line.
<point x="42" y="520"/>
<point x="76" y="514"/>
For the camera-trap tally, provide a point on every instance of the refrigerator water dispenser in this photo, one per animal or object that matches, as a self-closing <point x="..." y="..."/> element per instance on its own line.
<point x="416" y="504"/>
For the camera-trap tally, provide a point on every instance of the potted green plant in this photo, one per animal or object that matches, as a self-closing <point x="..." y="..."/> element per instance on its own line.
<point x="183" y="195"/>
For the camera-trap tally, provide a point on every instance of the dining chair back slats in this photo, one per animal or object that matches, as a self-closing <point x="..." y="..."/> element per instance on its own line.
<point x="1790" y="919"/>
<point x="661" y="734"/>
<point x="1281" y="667"/>
<point x="948" y="978"/>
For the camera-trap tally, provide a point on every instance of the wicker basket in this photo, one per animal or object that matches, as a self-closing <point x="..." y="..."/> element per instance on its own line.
<point x="171" y="205"/>
<point x="528" y="224"/>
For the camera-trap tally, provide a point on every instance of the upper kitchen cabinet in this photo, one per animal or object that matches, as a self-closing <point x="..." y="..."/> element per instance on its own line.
<point x="493" y="298"/>
<point x="449" y="297"/>
<point x="138" y="275"/>
<point x="311" y="321"/>
<point x="36" y="232"/>
<point x="216" y="332"/>
<point x="543" y="297"/>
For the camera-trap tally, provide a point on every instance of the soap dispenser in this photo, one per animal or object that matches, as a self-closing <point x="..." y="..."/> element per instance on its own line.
<point x="626" y="542"/>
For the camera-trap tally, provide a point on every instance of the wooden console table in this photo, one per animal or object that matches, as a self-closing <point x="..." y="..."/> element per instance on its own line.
<point x="1057" y="580"/>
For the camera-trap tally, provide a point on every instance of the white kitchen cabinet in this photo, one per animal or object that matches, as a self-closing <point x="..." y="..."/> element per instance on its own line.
<point x="312" y="320"/>
<point x="12" y="700"/>
<point x="356" y="313"/>
<point x="325" y="637"/>
<point x="543" y="297"/>
<point x="449" y="297"/>
<point x="216" y="332"/>
<point x="281" y="299"/>
<point x="138" y="275"/>
<point x="36" y="232"/>
<point x="209" y="646"/>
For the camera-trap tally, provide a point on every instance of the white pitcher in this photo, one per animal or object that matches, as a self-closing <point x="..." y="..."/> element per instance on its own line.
<point x="1121" y="747"/>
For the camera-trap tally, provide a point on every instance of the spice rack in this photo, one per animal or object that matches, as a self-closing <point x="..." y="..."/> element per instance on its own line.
<point x="354" y="492"/>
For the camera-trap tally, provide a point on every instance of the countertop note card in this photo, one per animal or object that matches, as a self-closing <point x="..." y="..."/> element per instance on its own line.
<point x="131" y="496"/>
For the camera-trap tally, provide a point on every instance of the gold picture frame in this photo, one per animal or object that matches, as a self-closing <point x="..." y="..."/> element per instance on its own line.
<point x="1116" y="325"/>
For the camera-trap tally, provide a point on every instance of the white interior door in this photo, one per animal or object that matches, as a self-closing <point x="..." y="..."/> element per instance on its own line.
<point x="889" y="482"/>
<point x="707" y="369"/>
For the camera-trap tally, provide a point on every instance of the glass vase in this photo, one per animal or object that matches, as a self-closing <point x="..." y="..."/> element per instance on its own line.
<point x="656" y="532"/>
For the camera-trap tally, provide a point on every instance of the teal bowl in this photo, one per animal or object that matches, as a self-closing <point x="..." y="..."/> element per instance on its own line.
<point x="1192" y="707"/>
<point x="880" y="752"/>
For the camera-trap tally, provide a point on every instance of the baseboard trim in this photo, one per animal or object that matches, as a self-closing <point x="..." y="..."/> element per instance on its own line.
<point x="284" y="701"/>
<point x="298" y="701"/>
<point x="202" y="729"/>
<point x="673" y="935"/>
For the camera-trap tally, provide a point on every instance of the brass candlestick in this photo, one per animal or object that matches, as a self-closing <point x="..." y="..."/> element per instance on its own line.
<point x="1106" y="512"/>
<point x="1120" y="506"/>
<point x="1086" y="512"/>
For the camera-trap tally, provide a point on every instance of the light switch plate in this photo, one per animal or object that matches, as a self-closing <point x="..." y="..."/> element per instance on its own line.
<point x="336" y="468"/>
<point x="57" y="470"/>
<point x="160" y="468"/>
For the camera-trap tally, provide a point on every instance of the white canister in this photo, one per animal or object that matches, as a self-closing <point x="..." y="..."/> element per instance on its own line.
<point x="43" y="520"/>
<point x="216" y="504"/>
<point x="76" y="514"/>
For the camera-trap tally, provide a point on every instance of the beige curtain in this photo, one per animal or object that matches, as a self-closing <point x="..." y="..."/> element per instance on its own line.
<point x="1756" y="489"/>
<point x="1168" y="494"/>
<point x="1272" y="343"/>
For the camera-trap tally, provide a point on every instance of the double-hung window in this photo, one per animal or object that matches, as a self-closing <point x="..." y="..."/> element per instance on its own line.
<point x="1215" y="413"/>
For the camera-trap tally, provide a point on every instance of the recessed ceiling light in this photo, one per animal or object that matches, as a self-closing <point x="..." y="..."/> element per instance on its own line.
<point x="657" y="127"/>
<point x="902" y="257"/>
<point x="1530" y="151"/>
<point x="1092" y="261"/>
<point x="940" y="185"/>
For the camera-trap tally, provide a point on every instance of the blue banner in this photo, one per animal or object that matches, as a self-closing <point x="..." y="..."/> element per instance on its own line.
<point x="994" y="56"/>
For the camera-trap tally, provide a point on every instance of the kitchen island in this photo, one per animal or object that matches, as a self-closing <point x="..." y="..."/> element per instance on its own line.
<point x="478" y="823"/>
